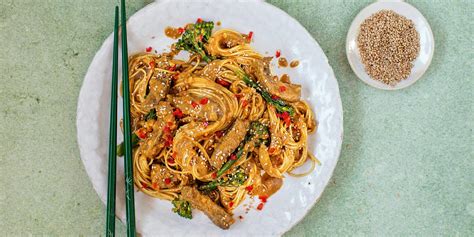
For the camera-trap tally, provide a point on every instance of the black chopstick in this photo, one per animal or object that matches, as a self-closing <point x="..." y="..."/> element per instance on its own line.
<point x="110" y="216"/>
<point x="129" y="191"/>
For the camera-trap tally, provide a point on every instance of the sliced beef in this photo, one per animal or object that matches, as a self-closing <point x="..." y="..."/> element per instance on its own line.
<point x="216" y="213"/>
<point x="163" y="177"/>
<point x="229" y="143"/>
<point x="207" y="112"/>
<point x="156" y="140"/>
<point x="286" y="91"/>
<point x="268" y="186"/>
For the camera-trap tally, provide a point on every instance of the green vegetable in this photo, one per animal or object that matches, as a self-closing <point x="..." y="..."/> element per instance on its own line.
<point x="151" y="115"/>
<point x="279" y="104"/>
<point x="258" y="133"/>
<point x="182" y="208"/>
<point x="194" y="38"/>
<point x="121" y="146"/>
<point x="231" y="180"/>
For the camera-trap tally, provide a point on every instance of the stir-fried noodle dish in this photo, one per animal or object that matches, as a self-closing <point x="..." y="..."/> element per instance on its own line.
<point x="212" y="129"/>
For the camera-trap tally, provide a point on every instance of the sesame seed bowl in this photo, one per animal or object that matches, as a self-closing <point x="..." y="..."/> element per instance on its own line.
<point x="394" y="71"/>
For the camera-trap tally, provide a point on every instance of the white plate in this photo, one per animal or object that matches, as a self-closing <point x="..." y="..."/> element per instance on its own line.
<point x="421" y="63"/>
<point x="273" y="29"/>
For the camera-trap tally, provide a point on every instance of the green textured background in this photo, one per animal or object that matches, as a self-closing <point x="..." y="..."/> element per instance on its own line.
<point x="406" y="166"/>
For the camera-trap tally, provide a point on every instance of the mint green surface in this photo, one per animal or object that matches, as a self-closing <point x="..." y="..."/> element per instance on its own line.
<point x="406" y="167"/>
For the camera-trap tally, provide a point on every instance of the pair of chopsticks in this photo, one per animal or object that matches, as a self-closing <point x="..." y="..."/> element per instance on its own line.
<point x="129" y="191"/>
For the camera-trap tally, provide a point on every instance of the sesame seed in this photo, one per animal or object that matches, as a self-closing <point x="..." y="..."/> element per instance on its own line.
<point x="388" y="44"/>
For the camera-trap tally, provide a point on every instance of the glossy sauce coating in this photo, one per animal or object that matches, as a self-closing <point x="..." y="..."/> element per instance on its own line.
<point x="173" y="33"/>
<point x="294" y="63"/>
<point x="282" y="62"/>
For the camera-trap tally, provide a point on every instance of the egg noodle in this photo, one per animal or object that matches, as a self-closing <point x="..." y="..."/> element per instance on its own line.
<point x="224" y="125"/>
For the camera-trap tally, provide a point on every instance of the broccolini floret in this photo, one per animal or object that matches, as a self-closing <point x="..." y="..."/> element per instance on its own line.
<point x="182" y="208"/>
<point x="194" y="38"/>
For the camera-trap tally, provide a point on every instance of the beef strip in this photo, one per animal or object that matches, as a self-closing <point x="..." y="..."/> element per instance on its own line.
<point x="155" y="141"/>
<point x="286" y="91"/>
<point x="163" y="177"/>
<point x="208" y="112"/>
<point x="229" y="143"/>
<point x="216" y="213"/>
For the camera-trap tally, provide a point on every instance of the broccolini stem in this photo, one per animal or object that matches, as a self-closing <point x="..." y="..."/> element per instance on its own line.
<point x="121" y="147"/>
<point x="239" y="152"/>
<point x="256" y="132"/>
<point x="279" y="104"/>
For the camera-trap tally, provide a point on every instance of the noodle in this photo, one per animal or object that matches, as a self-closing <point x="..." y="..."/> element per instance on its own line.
<point x="183" y="111"/>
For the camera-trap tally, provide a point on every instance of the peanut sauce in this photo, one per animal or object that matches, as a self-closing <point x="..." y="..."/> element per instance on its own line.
<point x="294" y="63"/>
<point x="285" y="78"/>
<point x="172" y="32"/>
<point x="282" y="62"/>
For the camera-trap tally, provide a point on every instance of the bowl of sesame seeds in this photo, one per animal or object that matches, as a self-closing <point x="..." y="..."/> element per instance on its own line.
<point x="389" y="45"/>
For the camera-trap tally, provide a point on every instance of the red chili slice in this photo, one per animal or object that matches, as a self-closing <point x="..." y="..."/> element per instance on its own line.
<point x="244" y="103"/>
<point x="282" y="88"/>
<point x="249" y="188"/>
<point x="199" y="20"/>
<point x="287" y="121"/>
<point x="263" y="198"/>
<point x="152" y="64"/>
<point x="204" y="101"/>
<point x="154" y="186"/>
<point x="231" y="204"/>
<point x="249" y="38"/>
<point x="233" y="157"/>
<point x="167" y="130"/>
<point x="260" y="206"/>
<point x="180" y="30"/>
<point x="167" y="181"/>
<point x="278" y="53"/>
<point x="194" y="104"/>
<point x="170" y="161"/>
<point x="178" y="113"/>
<point x="214" y="175"/>
<point x="141" y="133"/>
<point x="275" y="97"/>
<point x="148" y="49"/>
<point x="172" y="68"/>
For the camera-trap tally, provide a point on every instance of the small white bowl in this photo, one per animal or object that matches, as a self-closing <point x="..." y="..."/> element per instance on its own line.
<point x="421" y="63"/>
